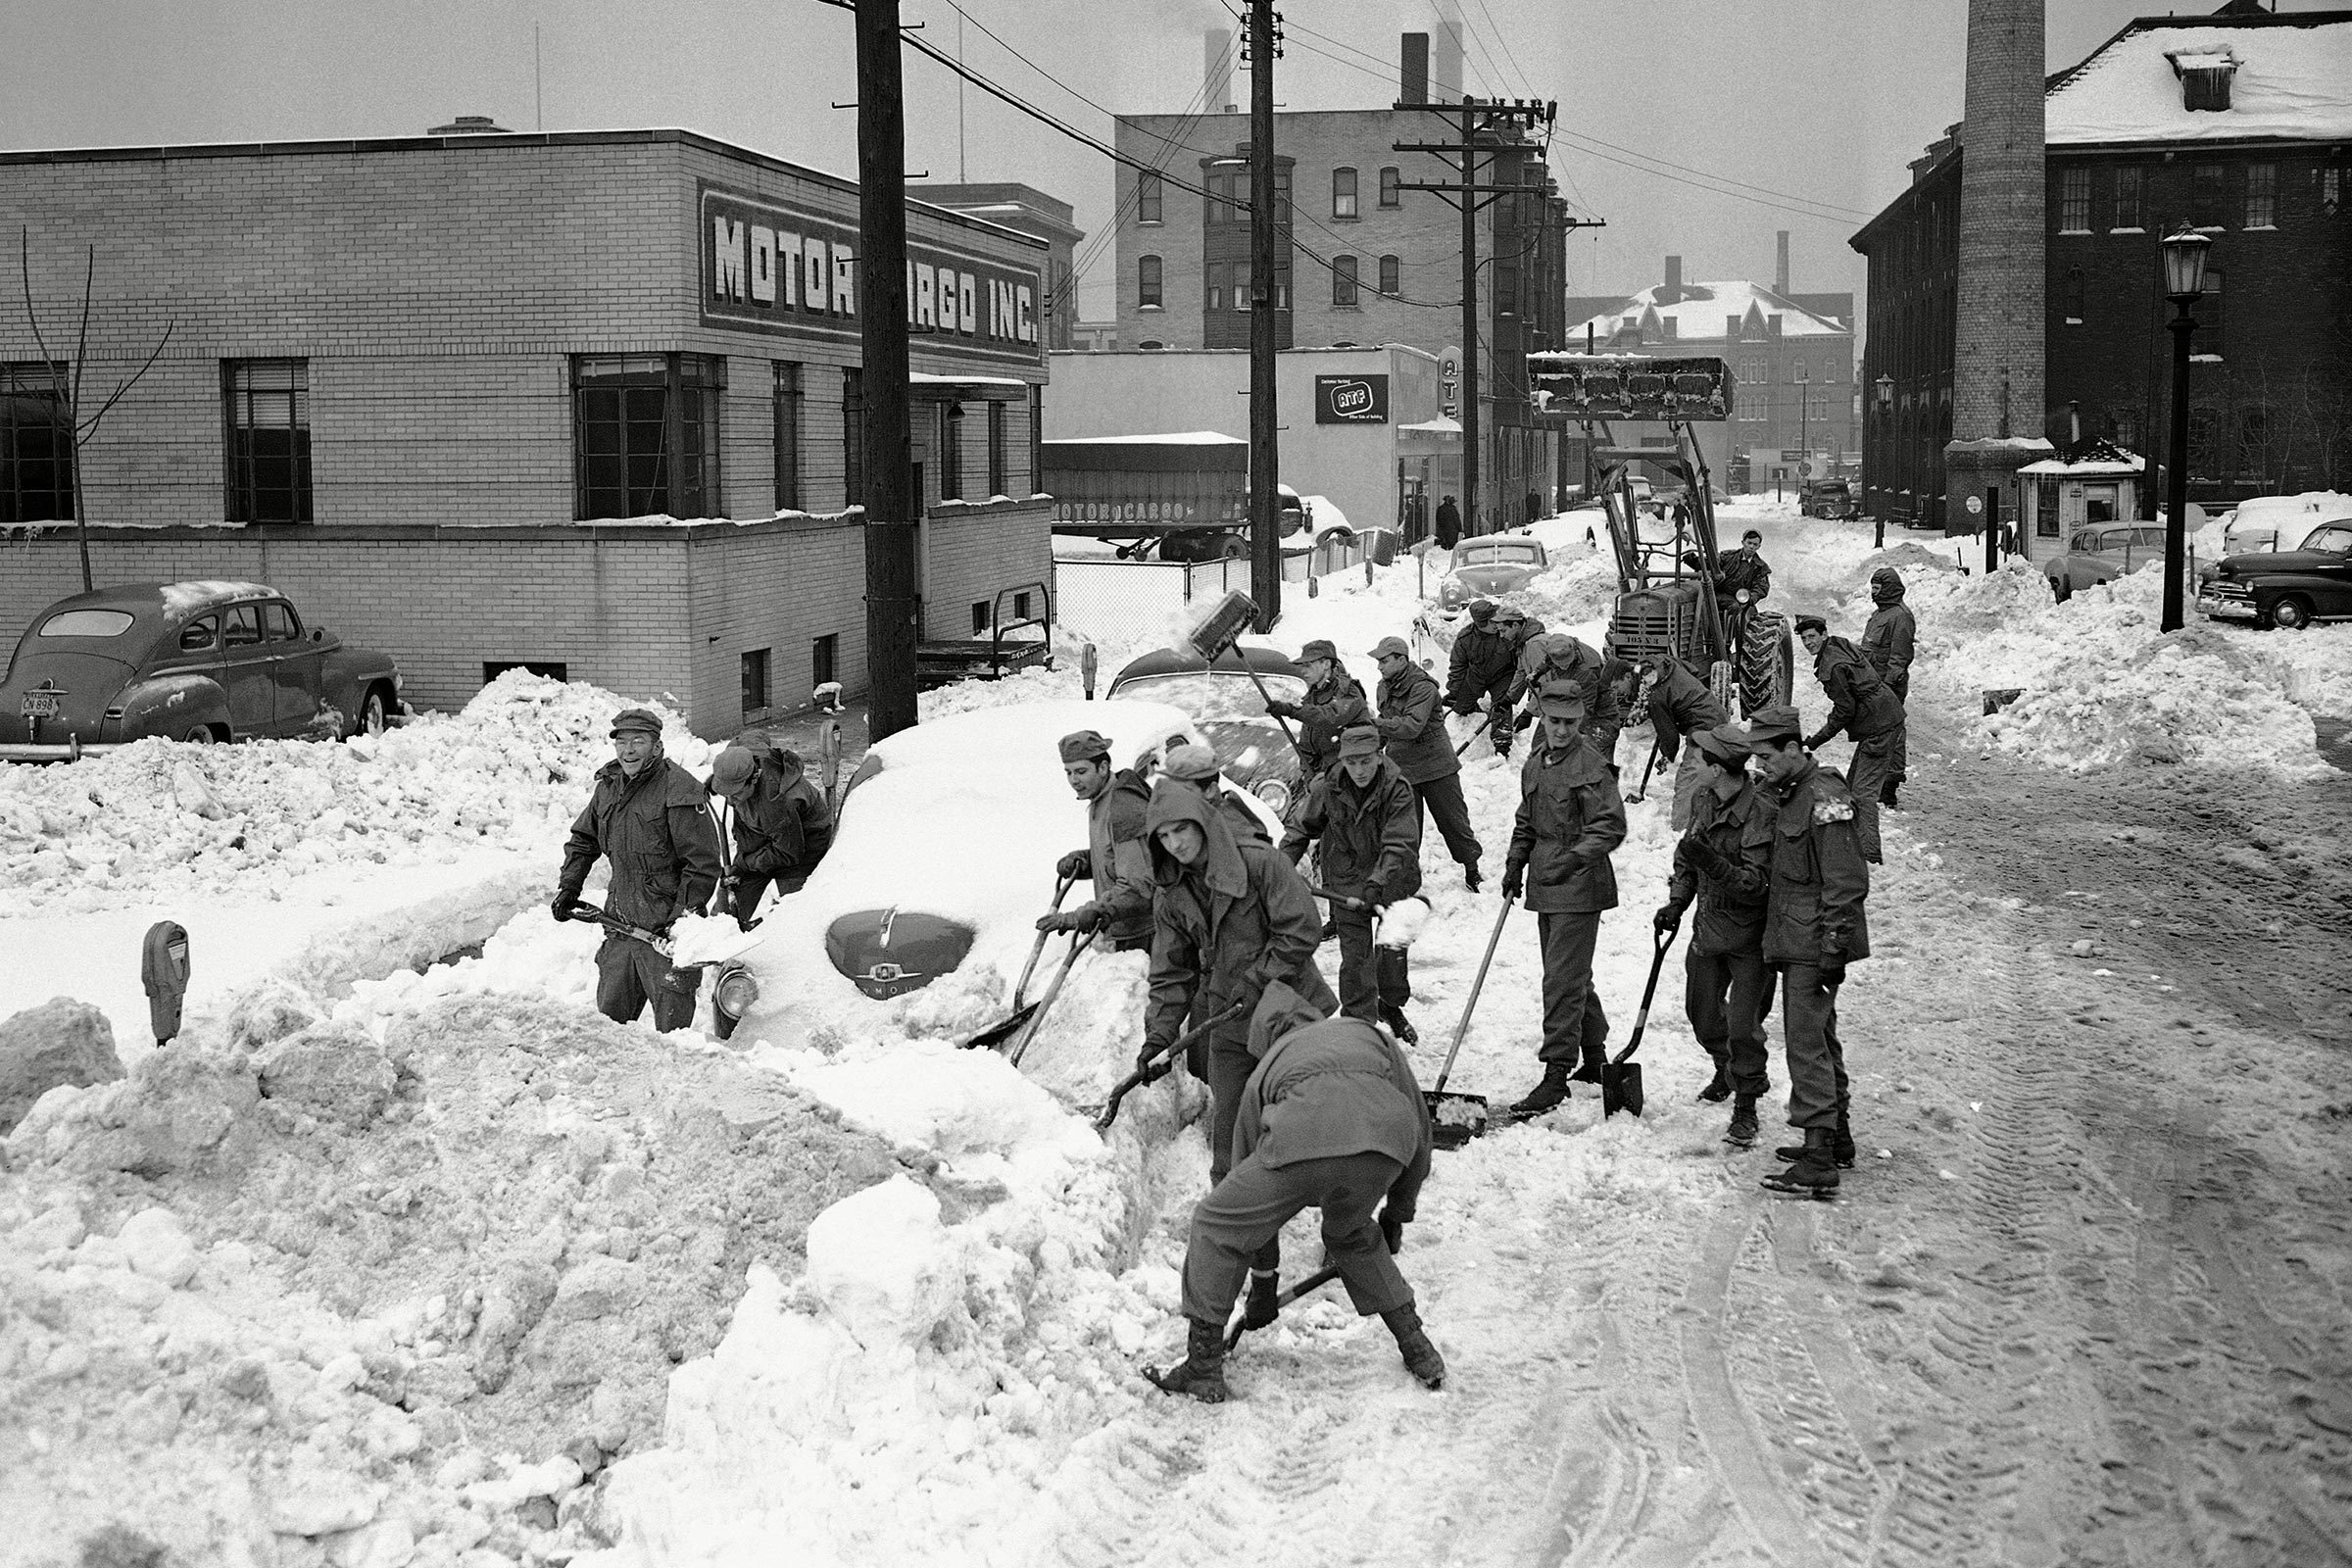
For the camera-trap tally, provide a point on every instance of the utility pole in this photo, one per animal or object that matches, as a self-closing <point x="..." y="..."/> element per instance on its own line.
<point x="893" y="606"/>
<point x="1491" y="118"/>
<point x="1266" y="460"/>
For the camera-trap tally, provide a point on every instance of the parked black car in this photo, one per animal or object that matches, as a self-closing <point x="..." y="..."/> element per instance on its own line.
<point x="2290" y="588"/>
<point x="1222" y="698"/>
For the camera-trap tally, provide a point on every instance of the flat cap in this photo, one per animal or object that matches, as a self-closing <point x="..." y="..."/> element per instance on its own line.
<point x="1319" y="648"/>
<point x="1560" y="698"/>
<point x="732" y="771"/>
<point x="1725" y="743"/>
<point x="1806" y="623"/>
<point x="1196" y="764"/>
<point x="1510" y="614"/>
<point x="636" y="720"/>
<point x="1483" y="609"/>
<point x="1360" y="740"/>
<point x="1391" y="644"/>
<point x="1083" y="745"/>
<point x="1775" y="727"/>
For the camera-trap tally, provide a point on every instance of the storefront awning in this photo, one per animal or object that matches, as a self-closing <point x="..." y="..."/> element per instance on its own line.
<point x="978" y="383"/>
<point x="1442" y="428"/>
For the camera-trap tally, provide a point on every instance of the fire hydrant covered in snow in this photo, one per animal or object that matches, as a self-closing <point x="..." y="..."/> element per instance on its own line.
<point x="164" y="969"/>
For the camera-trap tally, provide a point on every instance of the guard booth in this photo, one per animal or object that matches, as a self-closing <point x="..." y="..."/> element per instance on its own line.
<point x="2098" y="482"/>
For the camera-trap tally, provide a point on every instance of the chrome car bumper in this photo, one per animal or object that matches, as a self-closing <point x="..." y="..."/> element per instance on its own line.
<point x="42" y="752"/>
<point x="2216" y="608"/>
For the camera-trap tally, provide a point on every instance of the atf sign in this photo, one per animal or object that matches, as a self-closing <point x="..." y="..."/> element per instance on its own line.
<point x="774" y="268"/>
<point x="1351" y="400"/>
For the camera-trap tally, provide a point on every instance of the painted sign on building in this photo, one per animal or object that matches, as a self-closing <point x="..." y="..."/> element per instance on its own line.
<point x="771" y="267"/>
<point x="1626" y="386"/>
<point x="1351" y="400"/>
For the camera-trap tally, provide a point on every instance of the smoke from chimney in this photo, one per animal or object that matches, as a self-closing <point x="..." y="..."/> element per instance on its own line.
<point x="1779" y="270"/>
<point x="1216" y="53"/>
<point x="1413" y="70"/>
<point x="1446" y="66"/>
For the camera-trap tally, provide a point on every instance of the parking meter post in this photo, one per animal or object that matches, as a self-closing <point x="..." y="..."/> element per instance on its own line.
<point x="1086" y="670"/>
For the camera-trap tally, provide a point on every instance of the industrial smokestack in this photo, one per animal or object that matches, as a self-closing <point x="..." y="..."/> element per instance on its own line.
<point x="1413" y="70"/>
<point x="1446" y="66"/>
<point x="1780" y="268"/>
<point x="1673" y="290"/>
<point x="1216" y="52"/>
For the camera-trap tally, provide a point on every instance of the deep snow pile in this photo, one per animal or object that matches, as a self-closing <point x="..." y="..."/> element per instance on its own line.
<point x="161" y="822"/>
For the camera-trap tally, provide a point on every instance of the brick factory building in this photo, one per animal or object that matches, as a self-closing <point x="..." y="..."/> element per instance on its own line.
<point x="452" y="393"/>
<point x="1370" y="262"/>
<point x="2238" y="123"/>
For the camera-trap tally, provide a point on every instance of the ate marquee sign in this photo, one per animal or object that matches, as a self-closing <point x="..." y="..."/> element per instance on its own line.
<point x="776" y="268"/>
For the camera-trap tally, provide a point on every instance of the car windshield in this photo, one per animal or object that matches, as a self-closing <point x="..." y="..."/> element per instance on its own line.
<point x="1212" y="694"/>
<point x="1514" y="554"/>
<point x="2335" y="537"/>
<point x="87" y="623"/>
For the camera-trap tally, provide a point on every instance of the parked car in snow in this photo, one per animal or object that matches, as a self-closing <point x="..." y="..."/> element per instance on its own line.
<point x="184" y="660"/>
<point x="2094" y="556"/>
<point x="2290" y="588"/>
<point x="1252" y="751"/>
<point x="1490" y="565"/>
<point x="1829" y="498"/>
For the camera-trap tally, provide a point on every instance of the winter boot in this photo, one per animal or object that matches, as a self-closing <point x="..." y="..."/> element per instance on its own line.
<point x="1596" y="1057"/>
<point x="1815" y="1173"/>
<point x="1421" y="1358"/>
<point x="1201" y="1373"/>
<point x="1841" y="1145"/>
<point x="1262" y="1308"/>
<point x="1742" y="1132"/>
<point x="1545" y="1095"/>
<point x="1398" y="1025"/>
<point x="1887" y="791"/>
<point x="1719" y="1087"/>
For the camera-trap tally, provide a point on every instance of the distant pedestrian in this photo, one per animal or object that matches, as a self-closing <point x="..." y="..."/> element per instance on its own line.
<point x="1331" y="1118"/>
<point x="782" y="827"/>
<point x="1889" y="642"/>
<point x="1333" y="701"/>
<point x="1366" y="823"/>
<point x="1414" y="731"/>
<point x="1450" y="523"/>
<point x="1534" y="508"/>
<point x="1115" y="858"/>
<point x="1863" y="706"/>
<point x="1814" y="926"/>
<point x="1570" y="821"/>
<point x="650" y="817"/>
<point x="1725" y="863"/>
<point x="1679" y="706"/>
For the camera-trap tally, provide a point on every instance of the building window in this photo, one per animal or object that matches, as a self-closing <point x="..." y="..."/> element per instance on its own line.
<point x="755" y="682"/>
<point x="2331" y="183"/>
<point x="2070" y="301"/>
<point x="979" y="617"/>
<point x="1148" y="194"/>
<point x="1214" y="273"/>
<point x="951" y="452"/>
<point x="2262" y="195"/>
<point x="2122" y="428"/>
<point x="2209" y="315"/>
<point x="824" y="660"/>
<point x="1146" y="282"/>
<point x="645" y="434"/>
<point x="2201" y="427"/>
<point x="1388" y="284"/>
<point x="2046" y="509"/>
<point x="269" y="439"/>
<point x="1343" y="281"/>
<point x="2074" y="201"/>
<point x="1390" y="193"/>
<point x="1282" y="288"/>
<point x="1796" y="369"/>
<point x="2208" y="188"/>
<point x="1240" y="286"/>
<point x="1000" y="480"/>
<point x="37" y="450"/>
<point x="1282" y="192"/>
<point x="1342" y="193"/>
<point x="852" y="437"/>
<point x="2254" y="442"/>
<point x="2129" y="189"/>
<point x="788" y="436"/>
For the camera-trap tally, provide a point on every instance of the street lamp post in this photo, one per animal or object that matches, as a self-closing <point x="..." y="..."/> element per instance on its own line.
<point x="1885" y="390"/>
<point x="2183" y="280"/>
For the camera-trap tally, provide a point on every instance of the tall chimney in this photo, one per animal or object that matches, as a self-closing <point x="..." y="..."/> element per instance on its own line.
<point x="1217" y="51"/>
<point x="1672" y="291"/>
<point x="1780" y="267"/>
<point x="1413" y="70"/>
<point x="1446" y="66"/>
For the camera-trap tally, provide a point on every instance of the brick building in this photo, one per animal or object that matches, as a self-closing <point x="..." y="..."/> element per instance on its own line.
<point x="1792" y="356"/>
<point x="1031" y="212"/>
<point x="454" y="391"/>
<point x="1370" y="262"/>
<point x="2238" y="123"/>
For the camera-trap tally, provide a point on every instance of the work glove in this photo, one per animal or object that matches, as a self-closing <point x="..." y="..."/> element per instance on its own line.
<point x="1057" y="921"/>
<point x="1833" y="971"/>
<point x="1514" y="882"/>
<point x="1668" y="918"/>
<point x="1278" y="708"/>
<point x="1391" y="1231"/>
<point x="1523" y="720"/>
<point x="1147" y="1063"/>
<point x="1077" y="866"/>
<point x="1086" y="917"/>
<point x="1817" y="742"/>
<point x="1376" y="895"/>
<point x="562" y="907"/>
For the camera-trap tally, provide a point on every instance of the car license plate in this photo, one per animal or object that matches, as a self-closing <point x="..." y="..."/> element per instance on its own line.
<point x="41" y="704"/>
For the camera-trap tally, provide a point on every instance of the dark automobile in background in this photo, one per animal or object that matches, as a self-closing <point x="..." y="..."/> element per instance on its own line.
<point x="197" y="661"/>
<point x="1489" y="566"/>
<point x="1251" y="750"/>
<point x="2288" y="589"/>
<point x="1829" y="498"/>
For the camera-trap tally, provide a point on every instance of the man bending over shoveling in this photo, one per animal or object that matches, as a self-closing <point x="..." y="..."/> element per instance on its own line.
<point x="1332" y="1118"/>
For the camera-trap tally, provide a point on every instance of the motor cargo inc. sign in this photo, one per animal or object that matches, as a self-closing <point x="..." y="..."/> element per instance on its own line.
<point x="772" y="267"/>
<point x="1351" y="400"/>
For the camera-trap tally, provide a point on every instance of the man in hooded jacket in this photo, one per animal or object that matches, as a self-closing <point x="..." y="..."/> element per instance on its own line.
<point x="1369" y="824"/>
<point x="1331" y="1118"/>
<point x="651" y="819"/>
<point x="782" y="826"/>
<point x="1865" y="707"/>
<point x="1114" y="858"/>
<point x="1887" y="643"/>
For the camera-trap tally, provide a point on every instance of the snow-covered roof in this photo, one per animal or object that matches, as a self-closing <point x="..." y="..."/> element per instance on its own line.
<point x="1440" y="425"/>
<point x="1700" y="308"/>
<point x="926" y="378"/>
<point x="2090" y="468"/>
<point x="2287" y="79"/>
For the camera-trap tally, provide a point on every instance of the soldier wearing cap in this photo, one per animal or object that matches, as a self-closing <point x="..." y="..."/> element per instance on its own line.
<point x="1570" y="820"/>
<point x="1485" y="654"/>
<point x="1725" y="862"/>
<point x="1414" y="732"/>
<point x="650" y="817"/>
<point x="1114" y="859"/>
<point x="1369" y="824"/>
<point x="1865" y="706"/>
<point x="1557" y="655"/>
<point x="1333" y="702"/>
<point x="782" y="826"/>
<point x="1681" y="705"/>
<point x="1814" y="926"/>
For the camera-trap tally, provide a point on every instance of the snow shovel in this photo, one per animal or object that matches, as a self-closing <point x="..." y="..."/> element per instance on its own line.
<point x="581" y="909"/>
<point x="1135" y="1079"/>
<point x="1484" y="725"/>
<point x="997" y="1034"/>
<point x="1458" y="1118"/>
<point x="1221" y="633"/>
<point x="1620" y="1076"/>
<point x="1037" y="1014"/>
<point x="1641" y="789"/>
<point x="1305" y="1287"/>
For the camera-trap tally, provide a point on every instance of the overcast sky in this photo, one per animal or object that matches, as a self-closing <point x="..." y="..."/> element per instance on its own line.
<point x="1766" y="105"/>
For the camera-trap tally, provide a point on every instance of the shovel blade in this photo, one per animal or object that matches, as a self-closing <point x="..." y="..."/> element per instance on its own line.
<point x="1621" y="1088"/>
<point x="994" y="1036"/>
<point x="1455" y="1118"/>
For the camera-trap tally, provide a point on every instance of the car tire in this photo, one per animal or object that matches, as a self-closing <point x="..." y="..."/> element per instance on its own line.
<point x="2290" y="613"/>
<point x="1232" y="547"/>
<point x="372" y="712"/>
<point x="201" y="735"/>
<point x="2062" y="588"/>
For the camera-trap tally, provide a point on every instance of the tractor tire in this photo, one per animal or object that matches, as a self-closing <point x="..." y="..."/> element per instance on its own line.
<point x="1720" y="682"/>
<point x="1766" y="674"/>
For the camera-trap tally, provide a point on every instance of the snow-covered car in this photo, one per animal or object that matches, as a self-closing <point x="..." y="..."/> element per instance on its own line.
<point x="1310" y="521"/>
<point x="1251" y="748"/>
<point x="943" y="857"/>
<point x="2094" y="556"/>
<point x="184" y="660"/>
<point x="1490" y="566"/>
<point x="2261" y="524"/>
<point x="2290" y="588"/>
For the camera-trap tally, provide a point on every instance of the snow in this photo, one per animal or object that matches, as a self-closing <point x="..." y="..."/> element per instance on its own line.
<point x="2291" y="81"/>
<point x="1703" y="308"/>
<point x="2282" y="523"/>
<point x="1172" y="438"/>
<point x="184" y="599"/>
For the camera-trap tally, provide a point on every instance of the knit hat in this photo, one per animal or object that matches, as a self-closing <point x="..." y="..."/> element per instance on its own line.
<point x="1360" y="740"/>
<point x="1483" y="611"/>
<point x="1773" y="728"/>
<point x="1319" y="648"/>
<point x="1083" y="745"/>
<point x="637" y="720"/>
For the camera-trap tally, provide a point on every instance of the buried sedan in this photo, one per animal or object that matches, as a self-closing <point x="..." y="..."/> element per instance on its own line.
<point x="1251" y="750"/>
